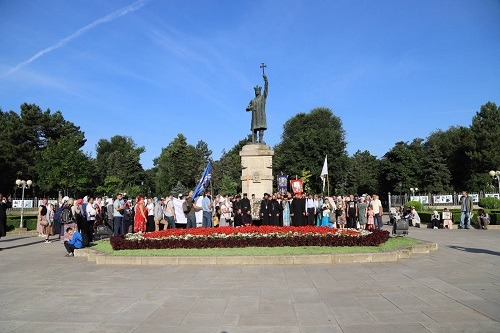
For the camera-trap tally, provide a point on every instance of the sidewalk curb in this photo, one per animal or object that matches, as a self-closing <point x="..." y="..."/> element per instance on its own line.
<point x="349" y="258"/>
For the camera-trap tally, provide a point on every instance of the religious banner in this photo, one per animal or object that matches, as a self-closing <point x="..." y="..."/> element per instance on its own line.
<point x="282" y="183"/>
<point x="297" y="186"/>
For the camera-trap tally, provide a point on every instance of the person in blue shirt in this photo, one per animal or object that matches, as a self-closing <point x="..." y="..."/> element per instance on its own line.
<point x="75" y="242"/>
<point x="206" y="205"/>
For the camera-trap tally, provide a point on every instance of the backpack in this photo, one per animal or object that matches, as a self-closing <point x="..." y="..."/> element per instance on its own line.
<point x="186" y="207"/>
<point x="57" y="214"/>
<point x="43" y="212"/>
<point x="66" y="216"/>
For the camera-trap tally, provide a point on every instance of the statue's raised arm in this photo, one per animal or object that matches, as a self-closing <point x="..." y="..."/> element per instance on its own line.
<point x="266" y="85"/>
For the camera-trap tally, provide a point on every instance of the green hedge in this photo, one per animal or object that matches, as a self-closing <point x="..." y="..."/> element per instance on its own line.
<point x="425" y="217"/>
<point x="29" y="221"/>
<point x="489" y="203"/>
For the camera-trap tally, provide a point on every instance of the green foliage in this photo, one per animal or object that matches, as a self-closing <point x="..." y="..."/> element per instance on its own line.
<point x="226" y="172"/>
<point x="62" y="165"/>
<point x="305" y="175"/>
<point x="417" y="204"/>
<point x="436" y="176"/>
<point x="307" y="138"/>
<point x="182" y="162"/>
<point x="364" y="173"/>
<point x="29" y="221"/>
<point x="24" y="136"/>
<point x="489" y="203"/>
<point x="402" y="164"/>
<point x="118" y="166"/>
<point x="486" y="129"/>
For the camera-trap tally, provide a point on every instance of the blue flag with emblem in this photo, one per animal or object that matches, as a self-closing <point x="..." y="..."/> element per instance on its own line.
<point x="204" y="181"/>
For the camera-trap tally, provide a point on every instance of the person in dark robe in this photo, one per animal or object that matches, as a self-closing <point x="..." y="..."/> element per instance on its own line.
<point x="237" y="203"/>
<point x="352" y="212"/>
<point x="247" y="218"/>
<point x="4" y="205"/>
<point x="275" y="211"/>
<point x="265" y="210"/>
<point x="238" y="218"/>
<point x="245" y="204"/>
<point x="298" y="211"/>
<point x="280" y="208"/>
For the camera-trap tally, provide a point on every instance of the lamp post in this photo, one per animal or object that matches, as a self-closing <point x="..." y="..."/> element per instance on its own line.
<point x="413" y="190"/>
<point x="496" y="175"/>
<point x="23" y="184"/>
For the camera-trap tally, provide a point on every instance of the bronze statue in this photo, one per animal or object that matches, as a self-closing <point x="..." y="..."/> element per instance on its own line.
<point x="258" y="108"/>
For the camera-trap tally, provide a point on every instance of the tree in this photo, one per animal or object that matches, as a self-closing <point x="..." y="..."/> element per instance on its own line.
<point x="119" y="158"/>
<point x="402" y="164"/>
<point x="226" y="172"/>
<point x="437" y="176"/>
<point x="364" y="173"/>
<point x="306" y="139"/>
<point x="453" y="145"/>
<point x="25" y="135"/>
<point x="62" y="165"/>
<point x="179" y="161"/>
<point x="485" y="156"/>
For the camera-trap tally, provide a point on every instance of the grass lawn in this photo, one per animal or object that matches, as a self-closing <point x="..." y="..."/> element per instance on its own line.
<point x="392" y="244"/>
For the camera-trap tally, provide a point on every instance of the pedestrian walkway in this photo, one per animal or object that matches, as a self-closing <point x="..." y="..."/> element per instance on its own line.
<point x="453" y="289"/>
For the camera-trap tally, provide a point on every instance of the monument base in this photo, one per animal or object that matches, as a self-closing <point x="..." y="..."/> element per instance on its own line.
<point x="257" y="169"/>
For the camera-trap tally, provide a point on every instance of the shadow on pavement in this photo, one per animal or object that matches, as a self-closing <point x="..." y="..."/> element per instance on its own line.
<point x="474" y="250"/>
<point x="39" y="241"/>
<point x="17" y="238"/>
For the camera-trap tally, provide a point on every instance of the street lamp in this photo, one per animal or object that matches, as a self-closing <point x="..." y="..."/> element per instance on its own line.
<point x="23" y="184"/>
<point x="413" y="190"/>
<point x="496" y="175"/>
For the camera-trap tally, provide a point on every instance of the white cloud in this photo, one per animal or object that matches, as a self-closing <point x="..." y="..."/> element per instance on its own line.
<point x="108" y="18"/>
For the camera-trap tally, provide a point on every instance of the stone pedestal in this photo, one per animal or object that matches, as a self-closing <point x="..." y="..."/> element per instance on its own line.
<point x="257" y="169"/>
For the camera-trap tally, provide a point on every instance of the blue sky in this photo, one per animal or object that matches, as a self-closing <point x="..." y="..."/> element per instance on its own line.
<point x="391" y="70"/>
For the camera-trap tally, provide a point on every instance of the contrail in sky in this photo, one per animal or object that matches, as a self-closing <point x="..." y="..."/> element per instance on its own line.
<point x="108" y="18"/>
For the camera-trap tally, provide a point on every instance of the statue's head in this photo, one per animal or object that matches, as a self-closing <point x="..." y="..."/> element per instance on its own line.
<point x="257" y="90"/>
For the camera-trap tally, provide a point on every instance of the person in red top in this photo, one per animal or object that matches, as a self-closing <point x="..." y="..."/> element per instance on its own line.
<point x="140" y="215"/>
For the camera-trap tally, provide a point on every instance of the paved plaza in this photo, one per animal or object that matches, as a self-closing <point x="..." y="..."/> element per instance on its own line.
<point x="453" y="289"/>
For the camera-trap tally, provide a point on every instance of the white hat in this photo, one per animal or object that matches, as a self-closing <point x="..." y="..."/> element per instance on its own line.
<point x="66" y="198"/>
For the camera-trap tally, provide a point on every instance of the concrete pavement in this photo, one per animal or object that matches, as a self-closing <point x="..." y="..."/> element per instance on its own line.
<point x="453" y="289"/>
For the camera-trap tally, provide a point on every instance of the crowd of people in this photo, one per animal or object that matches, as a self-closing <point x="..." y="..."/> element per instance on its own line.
<point x="77" y="221"/>
<point x="124" y="215"/>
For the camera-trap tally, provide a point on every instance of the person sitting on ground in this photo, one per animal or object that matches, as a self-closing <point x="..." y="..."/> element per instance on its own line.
<point x="74" y="243"/>
<point x="483" y="219"/>
<point x="238" y="218"/>
<point x="435" y="220"/>
<point x="447" y="221"/>
<point x="415" y="218"/>
<point x="247" y="218"/>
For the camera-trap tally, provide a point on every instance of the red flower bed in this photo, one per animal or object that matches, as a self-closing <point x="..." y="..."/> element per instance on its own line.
<point x="264" y="236"/>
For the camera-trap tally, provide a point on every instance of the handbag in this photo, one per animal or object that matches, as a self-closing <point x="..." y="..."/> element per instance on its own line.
<point x="44" y="223"/>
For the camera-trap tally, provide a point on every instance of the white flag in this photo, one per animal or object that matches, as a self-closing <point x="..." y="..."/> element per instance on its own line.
<point x="324" y="172"/>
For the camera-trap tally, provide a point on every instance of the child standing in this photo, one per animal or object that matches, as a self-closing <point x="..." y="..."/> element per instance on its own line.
<point x="370" y="222"/>
<point x="341" y="217"/>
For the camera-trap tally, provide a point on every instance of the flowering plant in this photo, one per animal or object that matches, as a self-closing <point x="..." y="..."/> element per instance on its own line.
<point x="263" y="236"/>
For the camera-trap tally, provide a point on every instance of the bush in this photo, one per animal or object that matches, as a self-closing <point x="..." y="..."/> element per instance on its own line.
<point x="29" y="221"/>
<point x="376" y="238"/>
<point x="418" y="205"/>
<point x="489" y="203"/>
